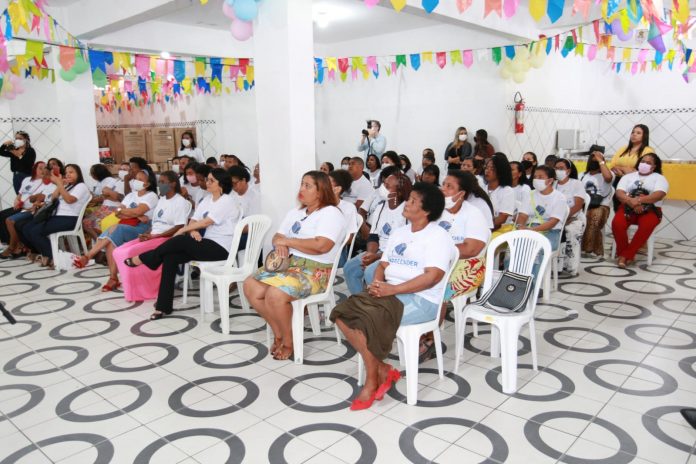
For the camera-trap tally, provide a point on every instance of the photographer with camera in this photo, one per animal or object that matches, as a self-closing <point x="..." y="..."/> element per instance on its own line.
<point x="372" y="142"/>
<point x="640" y="194"/>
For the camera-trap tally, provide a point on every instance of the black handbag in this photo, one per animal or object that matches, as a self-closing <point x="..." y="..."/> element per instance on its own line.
<point x="46" y="211"/>
<point x="509" y="294"/>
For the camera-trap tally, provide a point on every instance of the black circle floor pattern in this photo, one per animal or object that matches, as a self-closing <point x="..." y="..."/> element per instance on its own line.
<point x="73" y="344"/>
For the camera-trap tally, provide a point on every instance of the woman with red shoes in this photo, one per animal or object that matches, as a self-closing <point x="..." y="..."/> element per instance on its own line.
<point x="640" y="195"/>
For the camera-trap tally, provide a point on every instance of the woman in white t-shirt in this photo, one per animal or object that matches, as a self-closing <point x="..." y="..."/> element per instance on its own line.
<point x="106" y="197"/>
<point x="640" y="194"/>
<point x="135" y="215"/>
<point x="188" y="147"/>
<point x="386" y="217"/>
<point x="498" y="177"/>
<point x="520" y="183"/>
<point x="207" y="237"/>
<point x="32" y="193"/>
<point x="574" y="193"/>
<point x="309" y="238"/>
<point x="597" y="184"/>
<point x="169" y="215"/>
<point x="373" y="169"/>
<point x="72" y="195"/>
<point x="340" y="183"/>
<point x="477" y="196"/>
<point x="407" y="289"/>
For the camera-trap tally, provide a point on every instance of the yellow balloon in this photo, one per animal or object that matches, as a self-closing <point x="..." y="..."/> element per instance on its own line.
<point x="519" y="77"/>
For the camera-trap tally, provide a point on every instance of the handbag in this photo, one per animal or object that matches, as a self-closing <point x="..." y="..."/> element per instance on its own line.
<point x="130" y="221"/>
<point x="276" y="263"/>
<point x="46" y="211"/>
<point x="509" y="294"/>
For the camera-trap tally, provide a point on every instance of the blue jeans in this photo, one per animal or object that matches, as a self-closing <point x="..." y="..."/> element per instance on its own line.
<point x="37" y="233"/>
<point x="356" y="277"/>
<point x="417" y="309"/>
<point x="122" y="233"/>
<point x="17" y="179"/>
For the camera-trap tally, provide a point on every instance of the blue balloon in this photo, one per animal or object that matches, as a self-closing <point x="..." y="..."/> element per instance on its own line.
<point x="246" y="10"/>
<point x="230" y="2"/>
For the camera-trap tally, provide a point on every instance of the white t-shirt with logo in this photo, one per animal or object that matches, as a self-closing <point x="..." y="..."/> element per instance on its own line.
<point x="170" y="212"/>
<point x="250" y="202"/>
<point x="571" y="190"/>
<point x="374" y="177"/>
<point x="546" y="206"/>
<point x="467" y="223"/>
<point x="482" y="206"/>
<point x="34" y="187"/>
<point x="225" y="213"/>
<point x="503" y="200"/>
<point x="652" y="182"/>
<point x="350" y="214"/>
<point x="98" y="189"/>
<point x="385" y="220"/>
<point x="79" y="191"/>
<point x="360" y="189"/>
<point x="409" y="253"/>
<point x="132" y="200"/>
<point x="595" y="184"/>
<point x="521" y="193"/>
<point x="326" y="222"/>
<point x="194" y="153"/>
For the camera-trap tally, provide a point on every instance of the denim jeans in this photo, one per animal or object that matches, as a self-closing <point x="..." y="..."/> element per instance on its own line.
<point x="356" y="277"/>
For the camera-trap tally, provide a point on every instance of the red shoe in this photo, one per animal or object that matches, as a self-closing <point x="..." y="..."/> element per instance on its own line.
<point x="392" y="377"/>
<point x="111" y="285"/>
<point x="358" y="405"/>
<point x="80" y="261"/>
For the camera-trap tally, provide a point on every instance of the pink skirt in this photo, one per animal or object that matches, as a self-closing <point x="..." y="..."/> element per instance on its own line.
<point x="139" y="283"/>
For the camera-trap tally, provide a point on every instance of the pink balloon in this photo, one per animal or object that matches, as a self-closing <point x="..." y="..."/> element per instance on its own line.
<point x="228" y="11"/>
<point x="241" y="30"/>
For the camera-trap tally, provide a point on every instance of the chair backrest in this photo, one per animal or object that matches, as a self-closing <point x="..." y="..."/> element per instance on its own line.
<point x="78" y="224"/>
<point x="565" y="216"/>
<point x="334" y="267"/>
<point x="352" y="242"/>
<point x="454" y="259"/>
<point x="523" y="247"/>
<point x="586" y="206"/>
<point x="257" y="226"/>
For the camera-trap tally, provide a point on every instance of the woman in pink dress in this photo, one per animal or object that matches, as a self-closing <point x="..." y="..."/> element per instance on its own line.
<point x="171" y="213"/>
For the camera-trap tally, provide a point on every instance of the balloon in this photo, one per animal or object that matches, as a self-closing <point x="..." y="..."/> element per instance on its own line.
<point x="517" y="65"/>
<point x="537" y="60"/>
<point x="522" y="52"/>
<point x="80" y="65"/>
<point x="241" y="30"/>
<point x="228" y="11"/>
<point x="68" y="76"/>
<point x="230" y="2"/>
<point x="246" y="10"/>
<point x="505" y="73"/>
<point x="519" y="77"/>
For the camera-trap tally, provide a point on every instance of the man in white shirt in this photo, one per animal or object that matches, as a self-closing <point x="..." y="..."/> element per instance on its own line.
<point x="361" y="189"/>
<point x="372" y="142"/>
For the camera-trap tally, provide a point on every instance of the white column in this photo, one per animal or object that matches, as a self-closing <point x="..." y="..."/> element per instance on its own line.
<point x="283" y="59"/>
<point x="78" y="122"/>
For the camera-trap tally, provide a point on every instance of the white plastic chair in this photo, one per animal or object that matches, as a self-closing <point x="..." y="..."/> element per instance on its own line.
<point x="585" y="208"/>
<point x="355" y="235"/>
<point x="311" y="302"/>
<point x="524" y="247"/>
<point x="551" y="274"/>
<point x="224" y="275"/>
<point x="73" y="236"/>
<point x="651" y="244"/>
<point x="408" y="341"/>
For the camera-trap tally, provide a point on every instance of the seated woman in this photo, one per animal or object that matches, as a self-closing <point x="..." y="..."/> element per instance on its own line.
<point x="170" y="215"/>
<point x="310" y="236"/>
<point x="474" y="194"/>
<point x="134" y="214"/>
<point x="431" y="175"/>
<point x="640" y="194"/>
<point x="106" y="197"/>
<point x="474" y="166"/>
<point x="406" y="290"/>
<point x="32" y="193"/>
<point x="374" y="167"/>
<point x="545" y="208"/>
<point x="520" y="183"/>
<point x="340" y="182"/>
<point x="529" y="164"/>
<point x="71" y="194"/>
<point x="574" y="192"/>
<point x="386" y="217"/>
<point x="597" y="183"/>
<point x="498" y="177"/>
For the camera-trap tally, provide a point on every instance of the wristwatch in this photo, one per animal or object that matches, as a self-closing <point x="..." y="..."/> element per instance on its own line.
<point x="602" y="163"/>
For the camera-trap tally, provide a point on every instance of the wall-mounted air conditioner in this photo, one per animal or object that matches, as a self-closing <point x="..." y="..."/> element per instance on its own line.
<point x="571" y="139"/>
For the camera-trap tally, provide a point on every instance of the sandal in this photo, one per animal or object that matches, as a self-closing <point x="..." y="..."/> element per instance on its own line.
<point x="129" y="262"/>
<point x="284" y="353"/>
<point x="156" y="316"/>
<point x="621" y="262"/>
<point x="80" y="261"/>
<point x="111" y="285"/>
<point x="428" y="354"/>
<point x="45" y="261"/>
<point x="277" y="343"/>
<point x="393" y="376"/>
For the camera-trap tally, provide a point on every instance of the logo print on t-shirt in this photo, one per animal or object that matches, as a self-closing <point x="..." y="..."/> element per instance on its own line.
<point x="205" y="215"/>
<point x="386" y="228"/>
<point x="400" y="249"/>
<point x="27" y="188"/>
<point x="445" y="225"/>
<point x="132" y="205"/>
<point x="296" y="227"/>
<point x="541" y="210"/>
<point x="160" y="213"/>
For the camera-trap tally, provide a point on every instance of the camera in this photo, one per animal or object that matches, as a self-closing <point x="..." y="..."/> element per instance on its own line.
<point x="365" y="133"/>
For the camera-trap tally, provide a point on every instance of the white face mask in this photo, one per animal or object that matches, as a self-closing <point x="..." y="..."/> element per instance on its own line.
<point x="451" y="201"/>
<point x="138" y="185"/>
<point x="539" y="184"/>
<point x="122" y="174"/>
<point x="18" y="143"/>
<point x="561" y="174"/>
<point x="344" y="166"/>
<point x="186" y="142"/>
<point x="383" y="192"/>
<point x="175" y="168"/>
<point x="462" y="137"/>
<point x="386" y="165"/>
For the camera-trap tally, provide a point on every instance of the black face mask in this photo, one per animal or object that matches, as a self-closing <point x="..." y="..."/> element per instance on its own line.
<point x="592" y="165"/>
<point x="526" y="164"/>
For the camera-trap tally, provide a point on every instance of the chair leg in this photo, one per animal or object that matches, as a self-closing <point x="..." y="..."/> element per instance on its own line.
<point x="54" y="245"/>
<point x="508" y="338"/>
<point x="495" y="341"/>
<point x="224" y="302"/>
<point x="437" y="339"/>
<point x="206" y="295"/>
<point x="651" y="248"/>
<point x="459" y="332"/>
<point x="184" y="297"/>
<point x="532" y="344"/>
<point x="298" y="330"/>
<point x="400" y="348"/>
<point x="547" y="286"/>
<point x="83" y="242"/>
<point x="313" y="311"/>
<point x="410" y="347"/>
<point x="246" y="307"/>
<point x="361" y="371"/>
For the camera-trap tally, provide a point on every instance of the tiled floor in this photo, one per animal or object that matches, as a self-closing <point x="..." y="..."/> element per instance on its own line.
<point x="87" y="378"/>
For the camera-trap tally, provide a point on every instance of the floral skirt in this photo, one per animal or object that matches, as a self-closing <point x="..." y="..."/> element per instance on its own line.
<point x="467" y="276"/>
<point x="93" y="217"/>
<point x="303" y="278"/>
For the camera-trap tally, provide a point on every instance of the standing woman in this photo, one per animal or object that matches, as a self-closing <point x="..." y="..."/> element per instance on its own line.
<point x="483" y="149"/>
<point x="458" y="149"/>
<point x="640" y="194"/>
<point x="188" y="147"/>
<point x="71" y="194"/>
<point x="597" y="183"/>
<point x="216" y="217"/>
<point x="310" y="237"/>
<point x="106" y="197"/>
<point x="22" y="158"/>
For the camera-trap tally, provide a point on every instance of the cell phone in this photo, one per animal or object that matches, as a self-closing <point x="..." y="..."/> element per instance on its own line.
<point x="599" y="148"/>
<point x="56" y="171"/>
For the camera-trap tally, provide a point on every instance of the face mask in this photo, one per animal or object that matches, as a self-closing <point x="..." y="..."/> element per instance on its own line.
<point x="46" y="180"/>
<point x="539" y="184"/>
<point x="164" y="188"/>
<point x="644" y="168"/>
<point x="138" y="185"/>
<point x="192" y="178"/>
<point x="526" y="164"/>
<point x="449" y="202"/>
<point x="462" y="137"/>
<point x="18" y="143"/>
<point x="386" y="165"/>
<point x="186" y="142"/>
<point x="122" y="174"/>
<point x="344" y="166"/>
<point x="561" y="175"/>
<point x="383" y="192"/>
<point x="175" y="168"/>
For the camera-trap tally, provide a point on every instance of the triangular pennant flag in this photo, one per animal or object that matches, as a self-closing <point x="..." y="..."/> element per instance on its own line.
<point x="34" y="50"/>
<point x="510" y="7"/>
<point x="441" y="59"/>
<point x="398" y="4"/>
<point x="554" y="9"/>
<point x="537" y="9"/>
<point x="468" y="58"/>
<point x="430" y="5"/>
<point x="510" y="51"/>
<point x="400" y="60"/>
<point x="455" y="56"/>
<point x="463" y="5"/>
<point x="415" y="61"/>
<point x="66" y="57"/>
<point x="427" y="57"/>
<point x="496" y="55"/>
<point x="592" y="52"/>
<point x="493" y="5"/>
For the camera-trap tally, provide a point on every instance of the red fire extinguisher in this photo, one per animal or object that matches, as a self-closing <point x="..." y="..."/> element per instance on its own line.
<point x="519" y="114"/>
